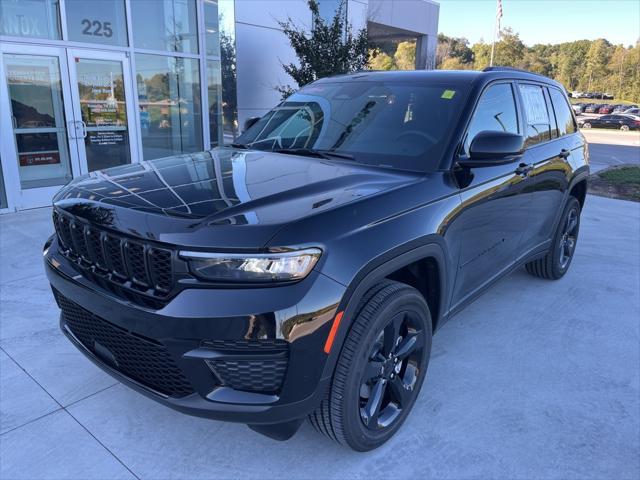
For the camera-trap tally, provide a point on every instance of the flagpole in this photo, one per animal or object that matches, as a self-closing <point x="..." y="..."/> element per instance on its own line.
<point x="493" y="43"/>
<point x="495" y="30"/>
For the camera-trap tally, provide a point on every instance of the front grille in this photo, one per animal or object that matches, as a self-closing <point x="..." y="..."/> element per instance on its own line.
<point x="142" y="269"/>
<point x="264" y="374"/>
<point x="143" y="360"/>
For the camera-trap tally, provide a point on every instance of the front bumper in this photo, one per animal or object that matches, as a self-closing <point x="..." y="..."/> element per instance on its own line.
<point x="190" y="333"/>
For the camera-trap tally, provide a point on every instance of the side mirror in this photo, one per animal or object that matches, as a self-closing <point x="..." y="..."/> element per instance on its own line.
<point x="490" y="148"/>
<point x="250" y="122"/>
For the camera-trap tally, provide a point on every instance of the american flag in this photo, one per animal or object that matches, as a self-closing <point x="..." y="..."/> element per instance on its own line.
<point x="499" y="13"/>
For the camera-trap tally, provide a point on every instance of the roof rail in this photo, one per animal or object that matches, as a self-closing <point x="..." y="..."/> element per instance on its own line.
<point x="509" y="69"/>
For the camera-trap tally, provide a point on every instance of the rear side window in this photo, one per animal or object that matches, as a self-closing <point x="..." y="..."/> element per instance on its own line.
<point x="538" y="128"/>
<point x="564" y="118"/>
<point x="496" y="111"/>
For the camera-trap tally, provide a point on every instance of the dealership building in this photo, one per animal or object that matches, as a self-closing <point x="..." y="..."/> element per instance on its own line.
<point x="90" y="84"/>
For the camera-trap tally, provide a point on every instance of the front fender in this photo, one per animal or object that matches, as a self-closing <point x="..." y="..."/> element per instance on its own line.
<point x="433" y="246"/>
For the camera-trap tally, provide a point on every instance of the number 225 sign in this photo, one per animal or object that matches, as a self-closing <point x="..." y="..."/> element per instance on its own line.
<point x="96" y="28"/>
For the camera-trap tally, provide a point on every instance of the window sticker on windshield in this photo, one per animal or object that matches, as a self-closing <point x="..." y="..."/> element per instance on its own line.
<point x="448" y="94"/>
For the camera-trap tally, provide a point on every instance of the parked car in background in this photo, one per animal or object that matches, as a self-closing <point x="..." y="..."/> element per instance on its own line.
<point x="316" y="290"/>
<point x="577" y="108"/>
<point x="619" y="122"/>
<point x="576" y="94"/>
<point x="632" y="111"/>
<point x="592" y="108"/>
<point x="605" y="109"/>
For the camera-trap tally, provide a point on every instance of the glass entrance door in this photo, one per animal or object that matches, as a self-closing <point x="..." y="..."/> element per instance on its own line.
<point x="37" y="157"/>
<point x="102" y="108"/>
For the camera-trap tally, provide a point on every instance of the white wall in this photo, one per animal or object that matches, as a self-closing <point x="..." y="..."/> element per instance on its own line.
<point x="262" y="48"/>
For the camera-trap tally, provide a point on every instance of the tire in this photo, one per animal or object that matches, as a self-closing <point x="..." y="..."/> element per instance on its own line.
<point x="624" y="128"/>
<point x="349" y="413"/>
<point x="586" y="125"/>
<point x="556" y="262"/>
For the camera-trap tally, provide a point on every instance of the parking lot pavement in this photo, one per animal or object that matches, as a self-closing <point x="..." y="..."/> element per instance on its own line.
<point x="536" y="379"/>
<point x="611" y="147"/>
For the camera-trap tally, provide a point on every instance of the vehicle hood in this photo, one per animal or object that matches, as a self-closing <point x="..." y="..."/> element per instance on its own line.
<point x="223" y="198"/>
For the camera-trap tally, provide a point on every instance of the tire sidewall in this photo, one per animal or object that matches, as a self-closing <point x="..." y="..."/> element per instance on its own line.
<point x="558" y="271"/>
<point x="359" y="436"/>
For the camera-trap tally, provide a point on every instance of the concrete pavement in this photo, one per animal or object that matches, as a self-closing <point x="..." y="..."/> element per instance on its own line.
<point x="536" y="379"/>
<point x="608" y="148"/>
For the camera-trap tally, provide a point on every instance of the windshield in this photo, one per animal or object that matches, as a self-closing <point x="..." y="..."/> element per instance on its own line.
<point x="397" y="125"/>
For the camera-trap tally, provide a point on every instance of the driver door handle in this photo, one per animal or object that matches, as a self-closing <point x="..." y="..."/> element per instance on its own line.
<point x="524" y="169"/>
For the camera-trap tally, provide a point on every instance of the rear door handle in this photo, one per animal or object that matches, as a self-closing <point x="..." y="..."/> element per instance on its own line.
<point x="524" y="168"/>
<point x="564" y="153"/>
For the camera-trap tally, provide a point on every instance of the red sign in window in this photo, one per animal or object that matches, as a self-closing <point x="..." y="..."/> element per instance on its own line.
<point x="39" y="158"/>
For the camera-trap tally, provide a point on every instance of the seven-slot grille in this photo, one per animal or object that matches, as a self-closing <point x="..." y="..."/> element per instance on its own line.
<point x="129" y="263"/>
<point x="143" y="360"/>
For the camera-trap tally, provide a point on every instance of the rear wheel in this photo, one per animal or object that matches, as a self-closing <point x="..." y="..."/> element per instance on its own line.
<point x="557" y="260"/>
<point x="381" y="368"/>
<point x="586" y="125"/>
<point x="624" y="128"/>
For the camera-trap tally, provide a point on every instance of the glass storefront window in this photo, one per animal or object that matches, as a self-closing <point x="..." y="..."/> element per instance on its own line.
<point x="167" y="25"/>
<point x="169" y="101"/>
<point x="37" y="114"/>
<point x="226" y="18"/>
<point x="211" y="30"/>
<point x="3" y="192"/>
<point x="214" y="89"/>
<point x="30" y="18"/>
<point x="104" y="112"/>
<point x="97" y="21"/>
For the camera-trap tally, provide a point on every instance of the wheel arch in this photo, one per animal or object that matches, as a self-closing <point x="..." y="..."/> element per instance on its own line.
<point x="431" y="255"/>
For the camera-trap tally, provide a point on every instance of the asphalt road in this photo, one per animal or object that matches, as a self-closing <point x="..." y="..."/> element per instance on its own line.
<point x="535" y="379"/>
<point x="612" y="147"/>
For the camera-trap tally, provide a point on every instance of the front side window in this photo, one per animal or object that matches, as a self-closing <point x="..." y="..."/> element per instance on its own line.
<point x="496" y="112"/>
<point x="167" y="25"/>
<point x="536" y="113"/>
<point x="397" y="125"/>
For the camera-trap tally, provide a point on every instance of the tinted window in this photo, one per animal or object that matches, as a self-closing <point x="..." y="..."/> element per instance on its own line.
<point x="564" y="118"/>
<point x="536" y="113"/>
<point x="391" y="124"/>
<point x="496" y="111"/>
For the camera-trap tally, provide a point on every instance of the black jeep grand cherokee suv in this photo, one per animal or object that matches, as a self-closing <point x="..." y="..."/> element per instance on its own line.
<point x="302" y="271"/>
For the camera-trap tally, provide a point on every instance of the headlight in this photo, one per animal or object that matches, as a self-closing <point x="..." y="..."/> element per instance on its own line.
<point x="260" y="267"/>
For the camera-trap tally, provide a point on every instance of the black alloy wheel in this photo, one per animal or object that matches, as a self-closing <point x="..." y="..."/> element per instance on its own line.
<point x="569" y="238"/>
<point x="390" y="376"/>
<point x="380" y="369"/>
<point x="557" y="260"/>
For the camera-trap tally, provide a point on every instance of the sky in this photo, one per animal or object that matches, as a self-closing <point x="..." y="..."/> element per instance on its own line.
<point x="544" y="21"/>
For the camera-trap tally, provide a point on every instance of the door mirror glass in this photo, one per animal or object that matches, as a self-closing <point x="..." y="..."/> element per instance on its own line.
<point x="491" y="147"/>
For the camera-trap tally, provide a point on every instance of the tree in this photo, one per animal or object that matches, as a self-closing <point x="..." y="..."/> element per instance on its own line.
<point x="381" y="61"/>
<point x="405" y="56"/>
<point x="332" y="47"/>
<point x="454" y="48"/>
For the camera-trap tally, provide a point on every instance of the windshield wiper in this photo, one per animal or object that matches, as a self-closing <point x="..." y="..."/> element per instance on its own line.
<point x="312" y="152"/>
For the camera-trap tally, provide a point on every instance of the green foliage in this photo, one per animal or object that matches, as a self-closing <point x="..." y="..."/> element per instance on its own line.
<point x="586" y="65"/>
<point x="330" y="48"/>
<point x="405" y="56"/>
<point x="625" y="175"/>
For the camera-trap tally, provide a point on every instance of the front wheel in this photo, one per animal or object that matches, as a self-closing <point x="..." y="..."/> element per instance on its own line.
<point x="586" y="125"/>
<point x="624" y="128"/>
<point x="556" y="262"/>
<point x="381" y="368"/>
